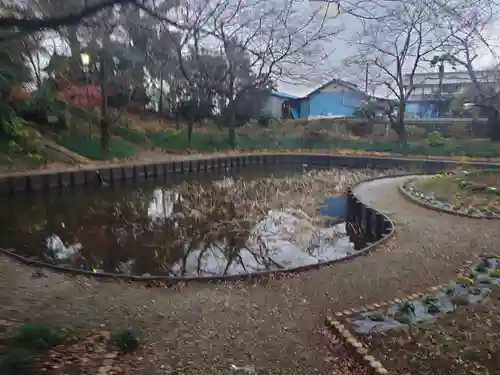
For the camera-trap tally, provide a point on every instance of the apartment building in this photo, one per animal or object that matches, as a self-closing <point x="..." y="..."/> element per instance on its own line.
<point x="421" y="103"/>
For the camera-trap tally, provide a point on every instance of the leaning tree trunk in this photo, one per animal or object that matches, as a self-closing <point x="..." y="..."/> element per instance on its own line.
<point x="494" y="125"/>
<point x="398" y="125"/>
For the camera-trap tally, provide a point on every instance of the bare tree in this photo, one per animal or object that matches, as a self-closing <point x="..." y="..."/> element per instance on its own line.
<point x="226" y="50"/>
<point x="24" y="24"/>
<point x="470" y="43"/>
<point x="393" y="48"/>
<point x="258" y="41"/>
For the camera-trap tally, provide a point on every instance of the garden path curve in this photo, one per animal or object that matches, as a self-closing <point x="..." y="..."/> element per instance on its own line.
<point x="204" y="329"/>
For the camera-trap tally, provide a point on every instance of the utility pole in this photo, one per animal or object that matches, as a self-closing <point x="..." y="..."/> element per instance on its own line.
<point x="105" y="136"/>
<point x="366" y="78"/>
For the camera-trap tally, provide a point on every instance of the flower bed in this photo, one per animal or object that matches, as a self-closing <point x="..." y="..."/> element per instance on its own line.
<point x="453" y="328"/>
<point x="481" y="181"/>
<point x="474" y="194"/>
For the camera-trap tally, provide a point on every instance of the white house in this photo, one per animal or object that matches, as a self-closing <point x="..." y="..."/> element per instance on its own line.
<point x="273" y="106"/>
<point x="427" y="84"/>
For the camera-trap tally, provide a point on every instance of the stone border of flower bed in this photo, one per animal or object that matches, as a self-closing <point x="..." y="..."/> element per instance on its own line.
<point x="357" y="348"/>
<point x="435" y="205"/>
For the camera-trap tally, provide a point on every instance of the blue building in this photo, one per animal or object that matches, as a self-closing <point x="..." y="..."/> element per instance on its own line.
<point x="421" y="109"/>
<point x="336" y="98"/>
<point x="432" y="90"/>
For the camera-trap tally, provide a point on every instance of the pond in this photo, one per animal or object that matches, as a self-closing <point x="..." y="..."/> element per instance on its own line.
<point x="216" y="225"/>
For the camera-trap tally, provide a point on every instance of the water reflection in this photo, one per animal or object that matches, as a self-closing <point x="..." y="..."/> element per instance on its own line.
<point x="147" y="232"/>
<point x="162" y="204"/>
<point x="59" y="250"/>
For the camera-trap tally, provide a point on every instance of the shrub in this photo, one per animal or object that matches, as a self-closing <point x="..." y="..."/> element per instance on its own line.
<point x="311" y="138"/>
<point x="365" y="110"/>
<point x="264" y="121"/>
<point x="435" y="139"/>
<point x="458" y="131"/>
<point x="415" y="133"/>
<point x="18" y="361"/>
<point x="38" y="336"/>
<point x="40" y="105"/>
<point x="126" y="341"/>
<point x="360" y="128"/>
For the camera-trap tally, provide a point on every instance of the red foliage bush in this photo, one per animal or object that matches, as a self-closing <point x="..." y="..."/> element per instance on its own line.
<point x="18" y="93"/>
<point x="82" y="96"/>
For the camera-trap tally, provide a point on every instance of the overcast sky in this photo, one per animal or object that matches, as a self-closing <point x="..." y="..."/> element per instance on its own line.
<point x="333" y="67"/>
<point x="337" y="49"/>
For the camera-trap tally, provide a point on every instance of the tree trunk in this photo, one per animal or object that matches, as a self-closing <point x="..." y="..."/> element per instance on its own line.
<point x="76" y="49"/>
<point x="190" y="133"/>
<point x="36" y="69"/>
<point x="403" y="139"/>
<point x="160" y="103"/>
<point x="400" y="128"/>
<point x="494" y="125"/>
<point x="231" y="128"/>
<point x="105" y="135"/>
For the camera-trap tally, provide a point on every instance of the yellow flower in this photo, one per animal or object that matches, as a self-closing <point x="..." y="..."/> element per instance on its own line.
<point x="465" y="280"/>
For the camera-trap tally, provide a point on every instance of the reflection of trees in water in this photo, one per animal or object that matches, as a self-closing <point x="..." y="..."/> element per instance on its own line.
<point x="177" y="231"/>
<point x="140" y="233"/>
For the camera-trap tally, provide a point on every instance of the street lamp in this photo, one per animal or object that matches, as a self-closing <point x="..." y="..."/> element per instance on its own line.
<point x="85" y="57"/>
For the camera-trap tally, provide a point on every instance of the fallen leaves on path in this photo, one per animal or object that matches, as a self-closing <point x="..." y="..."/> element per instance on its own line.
<point x="89" y="353"/>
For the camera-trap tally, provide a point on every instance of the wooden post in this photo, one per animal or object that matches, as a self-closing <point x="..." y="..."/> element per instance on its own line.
<point x="368" y="225"/>
<point x="379" y="226"/>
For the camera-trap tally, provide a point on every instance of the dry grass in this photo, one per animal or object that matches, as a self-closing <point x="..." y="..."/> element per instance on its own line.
<point x="147" y="122"/>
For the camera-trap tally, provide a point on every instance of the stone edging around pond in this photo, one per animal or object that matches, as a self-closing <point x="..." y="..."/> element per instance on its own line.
<point x="170" y="281"/>
<point x="123" y="173"/>
<point x="354" y="346"/>
<point x="424" y="202"/>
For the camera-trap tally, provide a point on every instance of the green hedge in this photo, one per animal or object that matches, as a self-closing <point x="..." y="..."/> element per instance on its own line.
<point x="210" y="142"/>
<point x="204" y="142"/>
<point x="452" y="147"/>
<point x="131" y="135"/>
<point x="91" y="147"/>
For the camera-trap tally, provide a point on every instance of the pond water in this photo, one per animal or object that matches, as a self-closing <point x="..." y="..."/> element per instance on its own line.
<point x="175" y="229"/>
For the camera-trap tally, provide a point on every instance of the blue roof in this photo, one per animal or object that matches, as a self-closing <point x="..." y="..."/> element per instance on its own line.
<point x="284" y="95"/>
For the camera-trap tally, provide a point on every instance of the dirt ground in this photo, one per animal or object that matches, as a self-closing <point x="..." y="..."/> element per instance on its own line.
<point x="204" y="329"/>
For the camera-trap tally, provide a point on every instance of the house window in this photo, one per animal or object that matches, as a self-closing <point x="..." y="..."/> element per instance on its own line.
<point x="349" y="101"/>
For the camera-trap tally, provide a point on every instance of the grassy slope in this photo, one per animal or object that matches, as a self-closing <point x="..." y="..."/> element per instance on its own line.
<point x="138" y="136"/>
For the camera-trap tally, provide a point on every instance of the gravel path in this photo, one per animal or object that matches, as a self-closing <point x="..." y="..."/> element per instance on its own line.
<point x="203" y="329"/>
